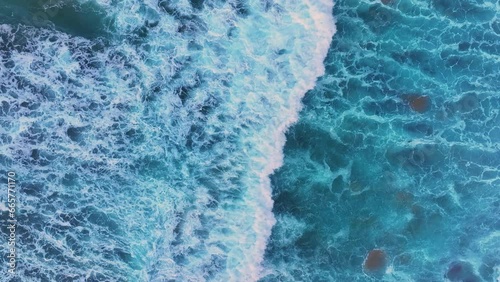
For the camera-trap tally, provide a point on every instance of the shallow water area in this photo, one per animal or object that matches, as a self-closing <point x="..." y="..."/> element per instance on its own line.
<point x="397" y="149"/>
<point x="143" y="134"/>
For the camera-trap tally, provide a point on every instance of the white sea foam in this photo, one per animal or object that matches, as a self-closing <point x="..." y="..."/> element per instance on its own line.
<point x="306" y="61"/>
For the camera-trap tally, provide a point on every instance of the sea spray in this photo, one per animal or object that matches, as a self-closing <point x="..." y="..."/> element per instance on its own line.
<point x="322" y="30"/>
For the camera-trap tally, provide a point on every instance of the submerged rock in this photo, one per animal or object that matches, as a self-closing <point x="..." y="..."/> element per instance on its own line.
<point x="375" y="262"/>
<point x="419" y="103"/>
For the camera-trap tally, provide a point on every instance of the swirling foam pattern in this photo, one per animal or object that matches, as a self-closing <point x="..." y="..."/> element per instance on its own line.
<point x="143" y="132"/>
<point x="397" y="150"/>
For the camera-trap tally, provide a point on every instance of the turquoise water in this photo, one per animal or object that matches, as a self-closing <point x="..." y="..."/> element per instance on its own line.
<point x="148" y="139"/>
<point x="397" y="149"/>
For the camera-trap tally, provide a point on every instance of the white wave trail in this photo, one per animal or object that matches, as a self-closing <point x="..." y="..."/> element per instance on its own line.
<point x="307" y="65"/>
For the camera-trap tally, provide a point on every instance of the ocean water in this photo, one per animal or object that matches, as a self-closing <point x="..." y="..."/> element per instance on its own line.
<point x="397" y="150"/>
<point x="148" y="138"/>
<point x="142" y="133"/>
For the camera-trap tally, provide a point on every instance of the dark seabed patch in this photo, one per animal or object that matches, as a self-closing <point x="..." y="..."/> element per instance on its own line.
<point x="375" y="262"/>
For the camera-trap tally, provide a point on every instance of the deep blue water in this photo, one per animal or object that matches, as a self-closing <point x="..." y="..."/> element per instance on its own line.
<point x="143" y="133"/>
<point x="144" y="136"/>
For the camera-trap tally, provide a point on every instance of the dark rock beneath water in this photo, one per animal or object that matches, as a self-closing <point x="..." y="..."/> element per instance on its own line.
<point x="375" y="262"/>
<point x="419" y="103"/>
<point x="461" y="271"/>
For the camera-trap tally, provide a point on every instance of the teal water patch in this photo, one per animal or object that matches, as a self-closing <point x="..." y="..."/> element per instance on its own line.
<point x="393" y="171"/>
<point x="85" y="19"/>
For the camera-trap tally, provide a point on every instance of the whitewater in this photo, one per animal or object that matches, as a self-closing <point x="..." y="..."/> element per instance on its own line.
<point x="144" y="138"/>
